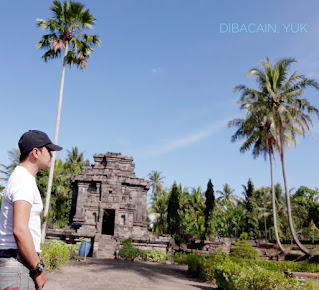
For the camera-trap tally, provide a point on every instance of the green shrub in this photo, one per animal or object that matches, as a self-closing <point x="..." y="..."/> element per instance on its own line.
<point x="243" y="250"/>
<point x="55" y="254"/>
<point x="281" y="266"/>
<point x="128" y="252"/>
<point x="179" y="258"/>
<point x="231" y="275"/>
<point x="244" y="236"/>
<point x="154" y="256"/>
<point x="195" y="263"/>
<point x="74" y="250"/>
<point x="200" y="265"/>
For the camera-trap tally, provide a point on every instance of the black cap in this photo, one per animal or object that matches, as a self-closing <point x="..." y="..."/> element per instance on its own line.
<point x="36" y="139"/>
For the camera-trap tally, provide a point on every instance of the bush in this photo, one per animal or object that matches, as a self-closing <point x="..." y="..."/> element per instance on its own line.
<point x="243" y="250"/>
<point x="74" y="250"/>
<point x="244" y="236"/>
<point x="281" y="266"/>
<point x="179" y="258"/>
<point x="154" y="256"/>
<point x="200" y="265"/>
<point x="231" y="275"/>
<point x="128" y="252"/>
<point x="195" y="263"/>
<point x="55" y="254"/>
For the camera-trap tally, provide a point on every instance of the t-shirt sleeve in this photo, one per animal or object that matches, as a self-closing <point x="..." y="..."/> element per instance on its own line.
<point x="23" y="192"/>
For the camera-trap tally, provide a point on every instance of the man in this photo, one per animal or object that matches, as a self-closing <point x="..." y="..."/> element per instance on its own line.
<point x="20" y="225"/>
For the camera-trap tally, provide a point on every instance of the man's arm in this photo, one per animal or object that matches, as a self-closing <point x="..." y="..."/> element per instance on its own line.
<point x="23" y="238"/>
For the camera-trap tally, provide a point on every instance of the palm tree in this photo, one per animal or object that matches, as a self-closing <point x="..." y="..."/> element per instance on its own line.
<point x="159" y="208"/>
<point x="256" y="128"/>
<point x="75" y="160"/>
<point x="14" y="156"/>
<point x="227" y="194"/>
<point x="287" y="113"/>
<point x="157" y="182"/>
<point x="195" y="209"/>
<point x="66" y="26"/>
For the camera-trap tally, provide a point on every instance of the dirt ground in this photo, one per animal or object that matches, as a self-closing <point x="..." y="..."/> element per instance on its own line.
<point x="117" y="274"/>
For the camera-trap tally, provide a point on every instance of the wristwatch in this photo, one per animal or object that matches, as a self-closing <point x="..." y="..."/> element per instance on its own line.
<point x="38" y="269"/>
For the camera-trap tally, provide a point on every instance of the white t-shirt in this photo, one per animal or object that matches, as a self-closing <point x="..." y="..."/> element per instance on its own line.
<point x="21" y="186"/>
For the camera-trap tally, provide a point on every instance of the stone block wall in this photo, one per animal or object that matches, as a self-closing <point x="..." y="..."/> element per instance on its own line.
<point x="108" y="194"/>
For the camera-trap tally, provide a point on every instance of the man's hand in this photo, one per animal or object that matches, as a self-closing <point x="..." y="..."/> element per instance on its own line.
<point x="40" y="279"/>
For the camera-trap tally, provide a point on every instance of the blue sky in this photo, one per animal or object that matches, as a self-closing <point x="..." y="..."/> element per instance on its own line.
<point x="160" y="87"/>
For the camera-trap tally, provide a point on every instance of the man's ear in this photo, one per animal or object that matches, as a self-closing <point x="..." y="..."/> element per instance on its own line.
<point x="35" y="153"/>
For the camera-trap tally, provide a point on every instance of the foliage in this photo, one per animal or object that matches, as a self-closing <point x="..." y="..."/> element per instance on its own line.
<point x="154" y="256"/>
<point x="227" y="194"/>
<point x="195" y="263"/>
<point x="251" y="211"/>
<point x="280" y="266"/>
<point x="179" y="258"/>
<point x="275" y="114"/>
<point x="14" y="156"/>
<point x="238" y="273"/>
<point x="243" y="250"/>
<point x="244" y="236"/>
<point x="156" y="181"/>
<point x="74" y="250"/>
<point x="128" y="252"/>
<point x="69" y="20"/>
<point x="209" y="208"/>
<point x="173" y="216"/>
<point x="55" y="254"/>
<point x="192" y="213"/>
<point x="230" y="275"/>
<point x="159" y="207"/>
<point x="61" y="192"/>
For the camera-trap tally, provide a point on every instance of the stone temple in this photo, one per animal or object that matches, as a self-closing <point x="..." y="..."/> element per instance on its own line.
<point x="109" y="199"/>
<point x="109" y="203"/>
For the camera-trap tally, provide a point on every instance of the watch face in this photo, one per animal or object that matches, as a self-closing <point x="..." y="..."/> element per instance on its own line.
<point x="40" y="267"/>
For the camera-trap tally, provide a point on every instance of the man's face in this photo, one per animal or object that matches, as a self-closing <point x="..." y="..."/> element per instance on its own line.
<point x="45" y="156"/>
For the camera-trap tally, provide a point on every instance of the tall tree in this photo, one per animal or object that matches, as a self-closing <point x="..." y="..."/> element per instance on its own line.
<point x="66" y="38"/>
<point x="256" y="128"/>
<point x="157" y="182"/>
<point x="288" y="114"/>
<point x="159" y="208"/>
<point x="193" y="212"/>
<point x="173" y="216"/>
<point x="227" y="194"/>
<point x="209" y="207"/>
<point x="252" y="225"/>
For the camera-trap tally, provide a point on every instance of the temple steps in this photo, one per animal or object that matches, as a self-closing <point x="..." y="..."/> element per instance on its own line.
<point x="105" y="247"/>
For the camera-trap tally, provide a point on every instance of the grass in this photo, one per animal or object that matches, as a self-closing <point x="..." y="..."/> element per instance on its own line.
<point x="314" y="282"/>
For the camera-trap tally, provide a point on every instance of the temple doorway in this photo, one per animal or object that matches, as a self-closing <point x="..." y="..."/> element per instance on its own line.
<point x="108" y="222"/>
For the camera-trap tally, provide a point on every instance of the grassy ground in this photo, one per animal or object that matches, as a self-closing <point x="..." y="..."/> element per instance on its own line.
<point x="314" y="282"/>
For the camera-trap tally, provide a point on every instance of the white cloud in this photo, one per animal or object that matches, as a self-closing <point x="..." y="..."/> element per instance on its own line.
<point x="156" y="69"/>
<point x="185" y="141"/>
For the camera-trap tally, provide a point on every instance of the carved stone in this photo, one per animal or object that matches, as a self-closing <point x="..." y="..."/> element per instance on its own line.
<point x="108" y="199"/>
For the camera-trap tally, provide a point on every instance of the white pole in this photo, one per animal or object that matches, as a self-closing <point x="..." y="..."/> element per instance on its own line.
<point x="57" y="125"/>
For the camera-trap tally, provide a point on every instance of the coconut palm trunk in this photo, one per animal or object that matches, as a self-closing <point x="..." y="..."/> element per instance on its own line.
<point x="57" y="125"/>
<point x="274" y="210"/>
<point x="290" y="220"/>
